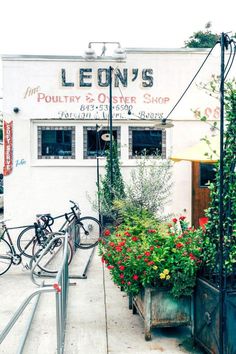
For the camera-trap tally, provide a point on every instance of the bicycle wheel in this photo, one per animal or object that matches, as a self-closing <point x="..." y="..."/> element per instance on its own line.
<point x="51" y="261"/>
<point x="5" y="256"/>
<point x="89" y="231"/>
<point x="27" y="238"/>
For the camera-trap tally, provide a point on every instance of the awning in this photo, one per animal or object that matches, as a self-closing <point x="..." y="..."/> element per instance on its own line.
<point x="205" y="151"/>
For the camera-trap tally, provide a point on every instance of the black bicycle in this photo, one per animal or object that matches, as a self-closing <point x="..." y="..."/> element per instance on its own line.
<point x="84" y="231"/>
<point x="8" y="252"/>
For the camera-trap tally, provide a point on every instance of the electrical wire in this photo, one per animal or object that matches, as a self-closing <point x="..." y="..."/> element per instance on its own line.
<point x="232" y="54"/>
<point x="194" y="77"/>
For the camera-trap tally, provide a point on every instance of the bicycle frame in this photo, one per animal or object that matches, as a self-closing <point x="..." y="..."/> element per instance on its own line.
<point x="16" y="257"/>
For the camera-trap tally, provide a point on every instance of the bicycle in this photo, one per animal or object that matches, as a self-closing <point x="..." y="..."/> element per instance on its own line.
<point x="84" y="233"/>
<point x="8" y="253"/>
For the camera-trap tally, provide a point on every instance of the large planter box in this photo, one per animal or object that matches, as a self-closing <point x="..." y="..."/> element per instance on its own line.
<point x="206" y="318"/>
<point x="159" y="308"/>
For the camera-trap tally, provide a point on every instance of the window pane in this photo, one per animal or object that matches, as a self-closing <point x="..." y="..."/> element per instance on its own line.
<point x="207" y="174"/>
<point x="56" y="142"/>
<point x="146" y="142"/>
<point x="95" y="143"/>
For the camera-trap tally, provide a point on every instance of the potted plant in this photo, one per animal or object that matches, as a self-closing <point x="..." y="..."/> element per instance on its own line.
<point x="156" y="263"/>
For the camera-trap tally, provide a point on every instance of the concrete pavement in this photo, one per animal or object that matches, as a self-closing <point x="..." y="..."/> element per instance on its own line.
<point x="99" y="320"/>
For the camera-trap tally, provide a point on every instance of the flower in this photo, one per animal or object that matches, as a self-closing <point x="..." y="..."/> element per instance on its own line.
<point x="107" y="232"/>
<point x="157" y="258"/>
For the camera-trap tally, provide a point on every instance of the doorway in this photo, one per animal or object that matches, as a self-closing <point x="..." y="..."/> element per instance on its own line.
<point x="202" y="175"/>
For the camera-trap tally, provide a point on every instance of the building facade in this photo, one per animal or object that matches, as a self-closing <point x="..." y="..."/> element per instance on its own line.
<point x="54" y="106"/>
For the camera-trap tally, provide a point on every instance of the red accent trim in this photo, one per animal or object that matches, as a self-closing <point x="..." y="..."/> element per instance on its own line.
<point x="57" y="287"/>
<point x="8" y="150"/>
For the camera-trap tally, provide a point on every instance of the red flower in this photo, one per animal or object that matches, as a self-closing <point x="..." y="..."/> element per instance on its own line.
<point x="135" y="277"/>
<point x="112" y="244"/>
<point x="151" y="248"/>
<point x="118" y="249"/>
<point x="121" y="267"/>
<point x="179" y="245"/>
<point x="152" y="231"/>
<point x="147" y="253"/>
<point x="191" y="256"/>
<point x="150" y="263"/>
<point x="139" y="256"/>
<point x="127" y="233"/>
<point x="110" y="266"/>
<point x="107" y="232"/>
<point x="182" y="218"/>
<point x="134" y="238"/>
<point x="128" y="283"/>
<point x="174" y="220"/>
<point x="122" y="243"/>
<point x="121" y="276"/>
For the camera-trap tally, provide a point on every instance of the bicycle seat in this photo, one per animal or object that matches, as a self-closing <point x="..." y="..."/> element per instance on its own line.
<point x="40" y="215"/>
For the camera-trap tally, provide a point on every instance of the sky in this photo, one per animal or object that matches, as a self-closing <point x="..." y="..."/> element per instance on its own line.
<point x="65" y="27"/>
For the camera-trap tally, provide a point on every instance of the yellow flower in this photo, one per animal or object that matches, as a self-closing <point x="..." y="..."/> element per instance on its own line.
<point x="166" y="271"/>
<point x="162" y="276"/>
<point x="167" y="277"/>
<point x="154" y="267"/>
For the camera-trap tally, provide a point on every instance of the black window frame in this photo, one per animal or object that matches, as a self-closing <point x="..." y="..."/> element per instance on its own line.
<point x="101" y="144"/>
<point x="203" y="165"/>
<point x="43" y="155"/>
<point x="133" y="155"/>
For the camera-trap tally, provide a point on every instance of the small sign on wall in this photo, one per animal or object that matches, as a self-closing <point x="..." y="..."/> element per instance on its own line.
<point x="8" y="149"/>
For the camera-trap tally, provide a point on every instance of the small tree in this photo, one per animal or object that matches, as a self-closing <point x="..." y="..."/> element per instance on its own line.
<point x="150" y="185"/>
<point x="110" y="191"/>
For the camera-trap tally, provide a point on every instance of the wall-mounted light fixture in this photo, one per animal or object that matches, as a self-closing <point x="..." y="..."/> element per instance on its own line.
<point x="16" y="110"/>
<point x="118" y="53"/>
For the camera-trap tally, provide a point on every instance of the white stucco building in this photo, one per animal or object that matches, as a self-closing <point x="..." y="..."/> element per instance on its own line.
<point x="54" y="104"/>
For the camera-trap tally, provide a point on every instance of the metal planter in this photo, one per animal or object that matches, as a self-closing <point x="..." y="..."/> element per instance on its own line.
<point x="159" y="308"/>
<point x="206" y="318"/>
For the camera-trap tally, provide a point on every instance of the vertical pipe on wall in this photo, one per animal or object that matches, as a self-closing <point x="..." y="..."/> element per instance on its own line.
<point x="221" y="205"/>
<point x="110" y="127"/>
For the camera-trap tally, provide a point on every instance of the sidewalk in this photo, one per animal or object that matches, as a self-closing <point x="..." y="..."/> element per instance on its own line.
<point x="99" y="320"/>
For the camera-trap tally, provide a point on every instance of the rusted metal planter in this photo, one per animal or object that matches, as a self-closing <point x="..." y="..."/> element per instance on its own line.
<point x="159" y="308"/>
<point x="206" y="318"/>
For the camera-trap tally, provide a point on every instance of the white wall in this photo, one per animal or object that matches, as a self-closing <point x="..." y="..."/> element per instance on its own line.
<point x="39" y="185"/>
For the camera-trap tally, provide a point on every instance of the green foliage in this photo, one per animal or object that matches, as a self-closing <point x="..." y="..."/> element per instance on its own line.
<point x="202" y="39"/>
<point x="111" y="191"/>
<point x="150" y="185"/>
<point x="143" y="252"/>
<point x="212" y="236"/>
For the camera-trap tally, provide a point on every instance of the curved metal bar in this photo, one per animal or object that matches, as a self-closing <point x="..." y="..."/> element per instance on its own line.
<point x="21" y="308"/>
<point x="50" y="242"/>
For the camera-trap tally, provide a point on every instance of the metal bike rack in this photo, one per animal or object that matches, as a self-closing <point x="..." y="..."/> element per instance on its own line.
<point x="60" y="287"/>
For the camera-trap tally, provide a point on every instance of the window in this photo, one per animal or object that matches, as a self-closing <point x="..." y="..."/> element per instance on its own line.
<point x="207" y="174"/>
<point x="146" y="141"/>
<point x="56" y="142"/>
<point x="98" y="142"/>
